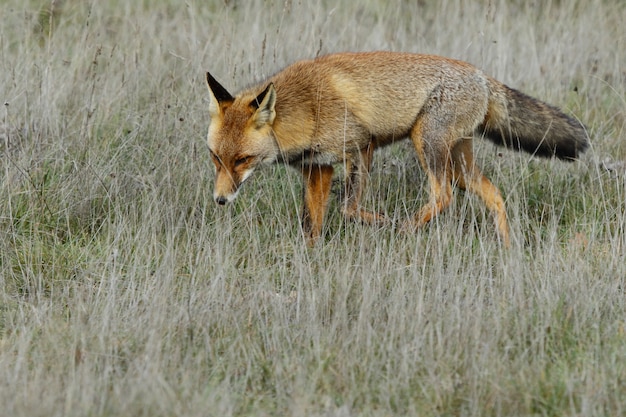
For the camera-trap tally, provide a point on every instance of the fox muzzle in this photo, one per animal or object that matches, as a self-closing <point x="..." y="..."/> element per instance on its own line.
<point x="224" y="198"/>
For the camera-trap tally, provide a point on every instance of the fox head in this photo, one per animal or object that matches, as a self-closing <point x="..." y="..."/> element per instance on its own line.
<point x="240" y="136"/>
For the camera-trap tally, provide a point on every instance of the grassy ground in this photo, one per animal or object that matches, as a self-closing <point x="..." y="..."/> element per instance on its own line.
<point x="125" y="291"/>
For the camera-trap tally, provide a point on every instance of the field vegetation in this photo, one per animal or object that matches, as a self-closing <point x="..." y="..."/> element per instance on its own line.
<point x="125" y="291"/>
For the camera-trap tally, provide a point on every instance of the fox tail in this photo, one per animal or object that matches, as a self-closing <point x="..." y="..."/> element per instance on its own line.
<point x="521" y="122"/>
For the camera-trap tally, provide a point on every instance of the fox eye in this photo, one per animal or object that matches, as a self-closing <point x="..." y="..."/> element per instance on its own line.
<point x="216" y="160"/>
<point x="242" y="160"/>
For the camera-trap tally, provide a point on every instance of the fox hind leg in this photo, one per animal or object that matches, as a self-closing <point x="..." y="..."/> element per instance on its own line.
<point x="468" y="176"/>
<point x="357" y="173"/>
<point x="434" y="156"/>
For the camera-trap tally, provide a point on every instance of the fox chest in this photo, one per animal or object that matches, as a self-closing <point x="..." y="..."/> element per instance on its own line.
<point x="326" y="146"/>
<point x="314" y="156"/>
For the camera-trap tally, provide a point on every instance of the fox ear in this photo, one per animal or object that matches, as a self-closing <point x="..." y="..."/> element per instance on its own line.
<point x="265" y="104"/>
<point x="219" y="94"/>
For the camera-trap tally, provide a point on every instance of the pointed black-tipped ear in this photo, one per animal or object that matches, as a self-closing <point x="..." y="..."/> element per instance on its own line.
<point x="219" y="92"/>
<point x="265" y="104"/>
<point x="256" y="103"/>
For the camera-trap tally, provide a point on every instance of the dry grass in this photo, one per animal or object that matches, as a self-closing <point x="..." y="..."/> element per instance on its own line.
<point x="126" y="292"/>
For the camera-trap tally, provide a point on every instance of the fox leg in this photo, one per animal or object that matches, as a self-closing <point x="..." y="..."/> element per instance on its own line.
<point x="434" y="156"/>
<point x="357" y="173"/>
<point x="317" y="183"/>
<point x="468" y="176"/>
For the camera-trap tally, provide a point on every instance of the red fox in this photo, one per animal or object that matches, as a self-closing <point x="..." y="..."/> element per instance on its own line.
<point x="341" y="107"/>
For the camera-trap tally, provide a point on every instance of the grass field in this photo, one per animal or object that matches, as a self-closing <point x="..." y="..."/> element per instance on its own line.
<point x="125" y="291"/>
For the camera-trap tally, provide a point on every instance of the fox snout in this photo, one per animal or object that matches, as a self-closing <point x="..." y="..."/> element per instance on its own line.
<point x="222" y="198"/>
<point x="227" y="184"/>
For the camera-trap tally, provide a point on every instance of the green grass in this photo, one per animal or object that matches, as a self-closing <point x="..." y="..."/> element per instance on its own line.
<point x="125" y="291"/>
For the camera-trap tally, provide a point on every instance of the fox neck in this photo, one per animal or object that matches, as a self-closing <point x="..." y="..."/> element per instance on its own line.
<point x="293" y="137"/>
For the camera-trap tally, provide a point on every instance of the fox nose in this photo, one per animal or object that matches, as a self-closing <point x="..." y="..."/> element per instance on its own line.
<point x="221" y="200"/>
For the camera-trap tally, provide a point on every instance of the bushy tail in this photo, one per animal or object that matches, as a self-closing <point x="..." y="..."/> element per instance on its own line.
<point x="524" y="123"/>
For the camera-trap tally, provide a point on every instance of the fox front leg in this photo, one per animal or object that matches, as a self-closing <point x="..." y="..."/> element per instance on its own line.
<point x="317" y="183"/>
